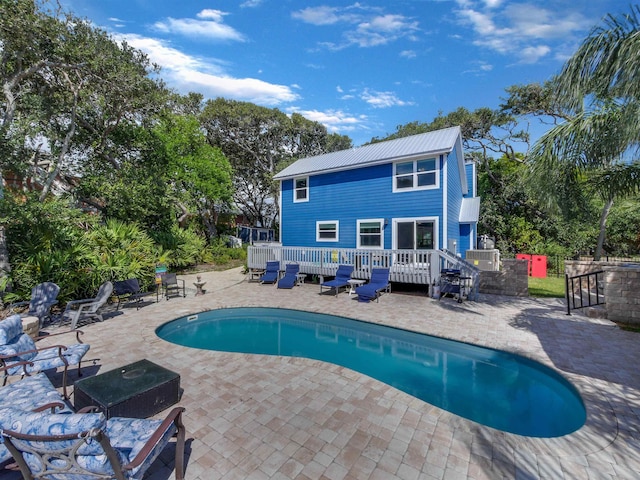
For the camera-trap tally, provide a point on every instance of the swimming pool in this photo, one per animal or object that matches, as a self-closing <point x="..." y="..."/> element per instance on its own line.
<point x="494" y="388"/>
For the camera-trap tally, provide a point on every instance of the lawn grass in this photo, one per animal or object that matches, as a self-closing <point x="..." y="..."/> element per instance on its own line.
<point x="546" y="287"/>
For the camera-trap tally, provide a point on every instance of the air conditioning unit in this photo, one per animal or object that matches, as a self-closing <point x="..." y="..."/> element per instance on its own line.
<point x="487" y="260"/>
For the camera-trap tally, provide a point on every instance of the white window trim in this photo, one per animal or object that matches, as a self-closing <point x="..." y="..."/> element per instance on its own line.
<point x="295" y="197"/>
<point x="369" y="220"/>
<point x="415" y="175"/>
<point x="436" y="229"/>
<point x="318" y="239"/>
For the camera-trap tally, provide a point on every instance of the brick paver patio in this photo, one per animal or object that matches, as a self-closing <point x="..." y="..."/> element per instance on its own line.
<point x="266" y="417"/>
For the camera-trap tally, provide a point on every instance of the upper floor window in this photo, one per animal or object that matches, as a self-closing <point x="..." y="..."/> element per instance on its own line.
<point x="415" y="175"/>
<point x="327" y="231"/>
<point x="301" y="189"/>
<point x="370" y="233"/>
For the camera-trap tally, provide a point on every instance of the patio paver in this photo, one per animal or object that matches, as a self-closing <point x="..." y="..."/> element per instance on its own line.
<point x="268" y="417"/>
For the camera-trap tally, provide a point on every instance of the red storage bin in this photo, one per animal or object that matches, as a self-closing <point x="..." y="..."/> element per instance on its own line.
<point x="538" y="266"/>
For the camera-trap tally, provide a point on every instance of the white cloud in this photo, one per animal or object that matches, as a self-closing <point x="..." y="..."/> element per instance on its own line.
<point x="408" y="54"/>
<point x="521" y="30"/>
<point x="187" y="73"/>
<point x="533" y="54"/>
<point x="370" y="26"/>
<point x="210" y="24"/>
<point x="251" y="3"/>
<point x="382" y="99"/>
<point x="334" y="120"/>
<point x="323" y="15"/>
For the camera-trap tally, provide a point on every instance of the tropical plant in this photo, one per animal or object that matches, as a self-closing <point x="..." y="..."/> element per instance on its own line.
<point x="596" y="149"/>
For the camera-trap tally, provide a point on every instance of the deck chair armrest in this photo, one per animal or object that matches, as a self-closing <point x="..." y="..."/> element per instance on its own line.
<point x="174" y="416"/>
<point x="23" y="364"/>
<point x="53" y="406"/>
<point x="60" y="349"/>
<point x="77" y="331"/>
<point x="81" y="302"/>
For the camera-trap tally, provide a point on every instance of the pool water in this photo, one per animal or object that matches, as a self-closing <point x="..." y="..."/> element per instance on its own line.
<point x="501" y="390"/>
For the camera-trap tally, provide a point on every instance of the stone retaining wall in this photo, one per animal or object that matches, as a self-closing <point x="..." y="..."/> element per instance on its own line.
<point x="512" y="279"/>
<point x="621" y="287"/>
<point x="580" y="267"/>
<point x="622" y="294"/>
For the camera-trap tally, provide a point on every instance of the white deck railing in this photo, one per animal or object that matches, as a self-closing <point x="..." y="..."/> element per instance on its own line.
<point x="421" y="267"/>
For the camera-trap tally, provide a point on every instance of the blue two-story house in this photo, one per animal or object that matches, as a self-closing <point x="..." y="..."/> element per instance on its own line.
<point x="408" y="205"/>
<point x="412" y="193"/>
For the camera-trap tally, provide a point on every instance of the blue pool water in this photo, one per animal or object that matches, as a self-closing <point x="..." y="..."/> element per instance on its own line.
<point x="494" y="388"/>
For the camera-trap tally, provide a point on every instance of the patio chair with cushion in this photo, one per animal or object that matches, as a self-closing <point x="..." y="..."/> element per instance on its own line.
<point x="16" y="347"/>
<point x="87" y="445"/>
<point x="343" y="275"/>
<point x="88" y="308"/>
<point x="379" y="282"/>
<point x="271" y="272"/>
<point x="171" y="287"/>
<point x="33" y="392"/>
<point x="290" y="276"/>
<point x="43" y="297"/>
<point x="128" y="291"/>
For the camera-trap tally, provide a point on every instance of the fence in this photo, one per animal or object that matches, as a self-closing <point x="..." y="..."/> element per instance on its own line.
<point x="405" y="266"/>
<point x="555" y="263"/>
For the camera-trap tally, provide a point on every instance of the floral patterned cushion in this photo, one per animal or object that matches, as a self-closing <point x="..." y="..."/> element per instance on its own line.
<point x="29" y="393"/>
<point x="129" y="435"/>
<point x="126" y="435"/>
<point x="90" y="456"/>
<point x="13" y="340"/>
<point x="10" y="328"/>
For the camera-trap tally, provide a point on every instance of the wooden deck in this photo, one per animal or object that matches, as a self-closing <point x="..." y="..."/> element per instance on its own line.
<point x="420" y="267"/>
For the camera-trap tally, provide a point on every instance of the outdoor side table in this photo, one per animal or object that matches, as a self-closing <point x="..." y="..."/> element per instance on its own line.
<point x="138" y="390"/>
<point x="353" y="283"/>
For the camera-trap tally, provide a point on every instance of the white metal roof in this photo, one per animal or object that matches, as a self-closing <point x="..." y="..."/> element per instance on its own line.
<point x="470" y="210"/>
<point x="424" y="144"/>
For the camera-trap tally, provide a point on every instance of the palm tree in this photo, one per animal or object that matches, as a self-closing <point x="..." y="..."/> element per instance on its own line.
<point x="589" y="151"/>
<point x="598" y="146"/>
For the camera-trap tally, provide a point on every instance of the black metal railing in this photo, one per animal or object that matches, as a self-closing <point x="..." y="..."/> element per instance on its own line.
<point x="584" y="290"/>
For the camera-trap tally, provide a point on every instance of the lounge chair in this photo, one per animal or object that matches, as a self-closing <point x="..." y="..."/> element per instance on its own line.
<point x="88" y="308"/>
<point x="171" y="286"/>
<point x="379" y="282"/>
<point x="290" y="276"/>
<point x="271" y="272"/>
<point x="16" y="347"/>
<point x="343" y="275"/>
<point x="87" y="445"/>
<point x="128" y="291"/>
<point x="43" y="297"/>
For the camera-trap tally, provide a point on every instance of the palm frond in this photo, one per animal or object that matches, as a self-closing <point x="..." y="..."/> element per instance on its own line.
<point x="606" y="63"/>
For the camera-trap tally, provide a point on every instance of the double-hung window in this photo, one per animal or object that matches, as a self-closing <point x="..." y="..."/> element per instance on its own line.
<point x="370" y="233"/>
<point x="327" y="231"/>
<point x="301" y="189"/>
<point x="415" y="175"/>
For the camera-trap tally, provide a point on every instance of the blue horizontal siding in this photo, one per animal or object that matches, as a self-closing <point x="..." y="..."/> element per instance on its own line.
<point x="349" y="196"/>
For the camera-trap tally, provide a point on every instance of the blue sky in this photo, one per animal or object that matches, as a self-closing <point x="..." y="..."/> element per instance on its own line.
<point x="360" y="68"/>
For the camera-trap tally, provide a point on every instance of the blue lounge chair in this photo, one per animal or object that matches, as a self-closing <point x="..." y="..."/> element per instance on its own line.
<point x="290" y="276"/>
<point x="343" y="275"/>
<point x="379" y="282"/>
<point x="271" y="272"/>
